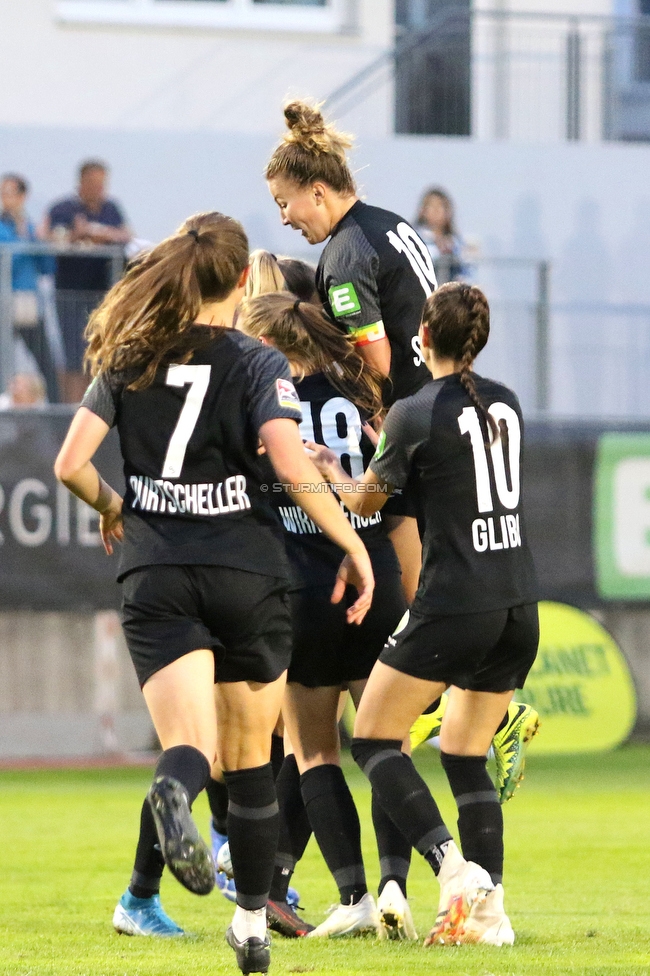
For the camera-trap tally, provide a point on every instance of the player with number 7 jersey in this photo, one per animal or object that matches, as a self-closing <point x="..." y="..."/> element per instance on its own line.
<point x="205" y="610"/>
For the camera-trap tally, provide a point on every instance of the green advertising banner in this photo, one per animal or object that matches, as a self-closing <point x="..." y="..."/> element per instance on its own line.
<point x="580" y="684"/>
<point x="622" y="516"/>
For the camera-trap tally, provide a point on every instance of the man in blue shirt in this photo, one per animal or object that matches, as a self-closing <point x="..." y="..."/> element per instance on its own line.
<point x="88" y="217"/>
<point x="15" y="226"/>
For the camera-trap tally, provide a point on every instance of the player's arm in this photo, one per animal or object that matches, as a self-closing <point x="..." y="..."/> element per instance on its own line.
<point x="402" y="433"/>
<point x="281" y="438"/>
<point x="74" y="468"/>
<point x="355" y="306"/>
<point x="363" y="496"/>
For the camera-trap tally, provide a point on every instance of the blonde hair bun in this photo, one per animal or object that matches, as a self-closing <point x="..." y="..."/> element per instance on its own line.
<point x="308" y="129"/>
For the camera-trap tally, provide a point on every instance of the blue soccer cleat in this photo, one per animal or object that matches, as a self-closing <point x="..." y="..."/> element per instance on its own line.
<point x="143" y="916"/>
<point x="225" y="884"/>
<point x="293" y="898"/>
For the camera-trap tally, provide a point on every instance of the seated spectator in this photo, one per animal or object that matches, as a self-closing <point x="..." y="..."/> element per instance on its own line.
<point x="26" y="392"/>
<point x="15" y="226"/>
<point x="89" y="217"/>
<point x="435" y="224"/>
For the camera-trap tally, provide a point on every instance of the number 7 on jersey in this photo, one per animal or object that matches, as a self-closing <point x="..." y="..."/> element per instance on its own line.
<point x="198" y="379"/>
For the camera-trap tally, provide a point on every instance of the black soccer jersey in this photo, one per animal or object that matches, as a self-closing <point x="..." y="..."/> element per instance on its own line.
<point x="327" y="418"/>
<point x="468" y="497"/>
<point x="373" y="278"/>
<point x="189" y="443"/>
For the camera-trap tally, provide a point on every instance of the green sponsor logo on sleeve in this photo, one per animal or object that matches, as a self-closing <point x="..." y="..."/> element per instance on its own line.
<point x="381" y="445"/>
<point x="343" y="299"/>
<point x="622" y="516"/>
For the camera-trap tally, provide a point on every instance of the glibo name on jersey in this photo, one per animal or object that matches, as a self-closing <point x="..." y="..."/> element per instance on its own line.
<point x="167" y="498"/>
<point x="494" y="534"/>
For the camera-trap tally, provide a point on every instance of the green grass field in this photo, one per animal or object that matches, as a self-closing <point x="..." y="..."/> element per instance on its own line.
<point x="577" y="881"/>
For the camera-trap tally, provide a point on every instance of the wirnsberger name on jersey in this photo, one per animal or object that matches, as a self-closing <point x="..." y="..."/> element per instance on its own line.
<point x="165" y="497"/>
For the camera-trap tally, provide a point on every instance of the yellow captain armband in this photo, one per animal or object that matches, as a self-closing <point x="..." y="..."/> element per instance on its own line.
<point x="365" y="334"/>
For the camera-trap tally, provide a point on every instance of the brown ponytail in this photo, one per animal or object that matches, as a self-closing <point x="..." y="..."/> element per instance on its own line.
<point x="312" y="151"/>
<point x="145" y="320"/>
<point x="312" y="344"/>
<point x="457" y="316"/>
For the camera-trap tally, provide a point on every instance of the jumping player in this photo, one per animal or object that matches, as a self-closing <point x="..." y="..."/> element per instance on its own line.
<point x="203" y="567"/>
<point x="339" y="394"/>
<point x="473" y="625"/>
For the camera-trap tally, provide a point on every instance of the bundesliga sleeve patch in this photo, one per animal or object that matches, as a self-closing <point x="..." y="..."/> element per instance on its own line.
<point x="287" y="396"/>
<point x="343" y="300"/>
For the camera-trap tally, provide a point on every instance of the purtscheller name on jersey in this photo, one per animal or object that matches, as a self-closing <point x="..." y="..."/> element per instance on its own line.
<point x="165" y="497"/>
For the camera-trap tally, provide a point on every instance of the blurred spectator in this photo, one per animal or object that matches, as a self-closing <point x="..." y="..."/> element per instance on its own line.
<point x="26" y="392"/>
<point x="88" y="218"/>
<point x="435" y="224"/>
<point x="15" y="226"/>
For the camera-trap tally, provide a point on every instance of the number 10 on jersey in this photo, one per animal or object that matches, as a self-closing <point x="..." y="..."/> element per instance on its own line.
<point x="500" y="532"/>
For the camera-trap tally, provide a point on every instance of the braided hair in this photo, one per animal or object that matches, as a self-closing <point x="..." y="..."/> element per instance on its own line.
<point x="457" y="316"/>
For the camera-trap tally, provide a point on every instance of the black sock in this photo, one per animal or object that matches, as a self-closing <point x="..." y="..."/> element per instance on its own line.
<point x="189" y="767"/>
<point x="404" y="796"/>
<point x="480" y="818"/>
<point x="335" y="822"/>
<point x="394" y="849"/>
<point x="503" y="723"/>
<point x="149" y="863"/>
<point x="218" y="800"/>
<point x="253" y="824"/>
<point x="295" y="829"/>
<point x="277" y="754"/>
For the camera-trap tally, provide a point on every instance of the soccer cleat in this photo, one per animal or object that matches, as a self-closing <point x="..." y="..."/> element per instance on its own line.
<point x="185" y="852"/>
<point x="488" y="923"/>
<point x="253" y="955"/>
<point x="428" y="725"/>
<point x="395" y="914"/>
<point x="463" y="885"/>
<point x="510" y="746"/>
<point x="282" y="918"/>
<point x="224" y="875"/>
<point x="143" y="916"/>
<point x="349" y="920"/>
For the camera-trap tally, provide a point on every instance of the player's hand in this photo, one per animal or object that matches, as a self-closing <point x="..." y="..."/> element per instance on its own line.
<point x="325" y="460"/>
<point x="111" y="524"/>
<point x="371" y="434"/>
<point x="355" y="570"/>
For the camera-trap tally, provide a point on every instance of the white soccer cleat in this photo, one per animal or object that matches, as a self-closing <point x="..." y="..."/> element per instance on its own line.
<point x="488" y="923"/>
<point x="463" y="885"/>
<point x="395" y="914"/>
<point x="349" y="920"/>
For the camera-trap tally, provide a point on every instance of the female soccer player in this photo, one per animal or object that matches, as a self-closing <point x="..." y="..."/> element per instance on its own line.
<point x="339" y="394"/>
<point x="473" y="625"/>
<point x="202" y="566"/>
<point x="373" y="276"/>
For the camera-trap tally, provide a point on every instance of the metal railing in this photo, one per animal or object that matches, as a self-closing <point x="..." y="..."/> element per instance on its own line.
<point x="583" y="359"/>
<point x="114" y="255"/>
<point x="525" y="76"/>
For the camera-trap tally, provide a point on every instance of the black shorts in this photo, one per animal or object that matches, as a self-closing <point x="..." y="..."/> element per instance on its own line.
<point x="327" y="650"/>
<point x="492" y="651"/>
<point x="169" y="611"/>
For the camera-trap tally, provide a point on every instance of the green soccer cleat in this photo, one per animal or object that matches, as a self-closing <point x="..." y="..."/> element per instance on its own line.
<point x="510" y="744"/>
<point x="427" y="725"/>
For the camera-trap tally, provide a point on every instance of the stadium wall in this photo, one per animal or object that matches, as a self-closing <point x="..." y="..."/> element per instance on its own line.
<point x="584" y="207"/>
